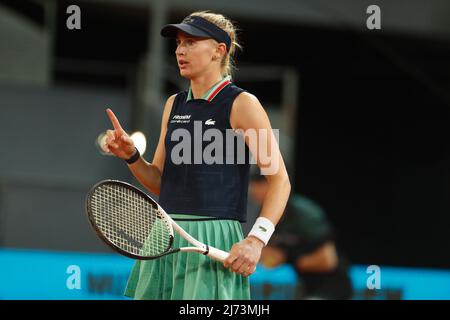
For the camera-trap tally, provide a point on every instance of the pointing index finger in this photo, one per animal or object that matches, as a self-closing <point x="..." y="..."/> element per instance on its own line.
<point x="114" y="121"/>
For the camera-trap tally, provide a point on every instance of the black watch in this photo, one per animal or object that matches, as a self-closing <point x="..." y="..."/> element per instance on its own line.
<point x="135" y="157"/>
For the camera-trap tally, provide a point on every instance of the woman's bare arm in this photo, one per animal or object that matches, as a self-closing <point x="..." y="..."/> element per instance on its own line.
<point x="248" y="114"/>
<point x="149" y="174"/>
<point x="120" y="144"/>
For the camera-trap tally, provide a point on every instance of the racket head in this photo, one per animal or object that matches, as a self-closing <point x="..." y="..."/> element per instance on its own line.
<point x="128" y="220"/>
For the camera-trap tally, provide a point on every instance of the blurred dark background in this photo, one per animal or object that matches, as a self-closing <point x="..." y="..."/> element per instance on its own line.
<point x="368" y="112"/>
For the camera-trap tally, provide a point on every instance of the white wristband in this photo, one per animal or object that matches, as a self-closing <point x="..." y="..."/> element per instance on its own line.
<point x="262" y="229"/>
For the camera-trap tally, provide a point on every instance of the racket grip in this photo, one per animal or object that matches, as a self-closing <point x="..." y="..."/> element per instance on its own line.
<point x="217" y="254"/>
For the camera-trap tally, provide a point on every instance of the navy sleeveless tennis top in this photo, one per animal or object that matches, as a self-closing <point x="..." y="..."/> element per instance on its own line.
<point x="191" y="183"/>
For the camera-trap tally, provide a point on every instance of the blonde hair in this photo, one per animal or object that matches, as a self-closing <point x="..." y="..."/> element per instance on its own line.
<point x="227" y="64"/>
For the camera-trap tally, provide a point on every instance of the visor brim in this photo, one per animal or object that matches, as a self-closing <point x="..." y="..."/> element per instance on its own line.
<point x="171" y="30"/>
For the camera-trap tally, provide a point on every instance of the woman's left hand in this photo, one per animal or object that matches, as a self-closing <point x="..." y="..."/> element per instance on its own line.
<point x="244" y="256"/>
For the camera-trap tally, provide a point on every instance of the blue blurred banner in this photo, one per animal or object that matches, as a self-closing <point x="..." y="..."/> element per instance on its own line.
<point x="280" y="283"/>
<point x="45" y="275"/>
<point x="402" y="283"/>
<point x="29" y="274"/>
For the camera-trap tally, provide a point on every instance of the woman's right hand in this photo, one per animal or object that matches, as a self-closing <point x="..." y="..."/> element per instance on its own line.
<point x="117" y="141"/>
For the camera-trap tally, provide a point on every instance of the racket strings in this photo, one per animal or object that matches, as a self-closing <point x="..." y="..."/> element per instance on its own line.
<point x="130" y="221"/>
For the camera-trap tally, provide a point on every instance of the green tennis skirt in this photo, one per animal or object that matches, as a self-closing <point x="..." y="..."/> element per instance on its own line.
<point x="189" y="275"/>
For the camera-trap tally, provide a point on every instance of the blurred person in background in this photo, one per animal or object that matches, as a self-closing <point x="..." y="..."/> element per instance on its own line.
<point x="304" y="238"/>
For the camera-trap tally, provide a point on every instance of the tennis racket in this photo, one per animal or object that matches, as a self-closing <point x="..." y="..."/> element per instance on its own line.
<point x="135" y="225"/>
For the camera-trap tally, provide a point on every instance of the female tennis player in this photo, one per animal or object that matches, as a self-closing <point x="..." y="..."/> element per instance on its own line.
<point x="207" y="200"/>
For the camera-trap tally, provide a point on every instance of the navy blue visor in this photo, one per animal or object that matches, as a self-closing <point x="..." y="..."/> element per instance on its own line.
<point x="197" y="27"/>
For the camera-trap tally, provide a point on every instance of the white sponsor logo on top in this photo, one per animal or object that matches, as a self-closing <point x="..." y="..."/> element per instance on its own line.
<point x="181" y="118"/>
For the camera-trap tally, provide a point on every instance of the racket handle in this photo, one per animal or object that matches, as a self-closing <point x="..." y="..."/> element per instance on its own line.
<point x="217" y="254"/>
